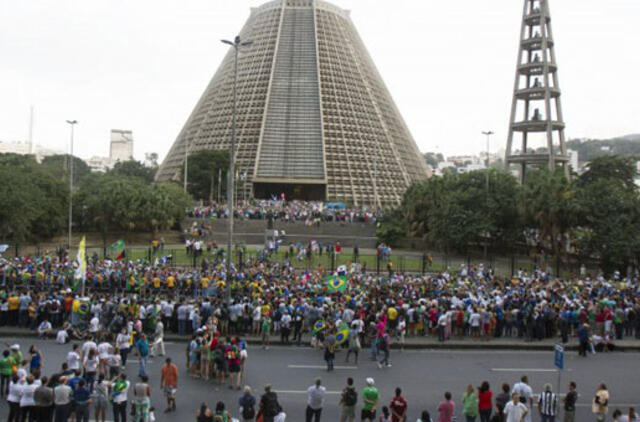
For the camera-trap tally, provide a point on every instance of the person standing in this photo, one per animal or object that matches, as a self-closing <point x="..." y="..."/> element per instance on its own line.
<point x="143" y="349"/>
<point x="583" y="339"/>
<point x="600" y="405"/>
<point x="5" y="373"/>
<point x="43" y="397"/>
<point x="515" y="410"/>
<point x="247" y="404"/>
<point x="119" y="391"/>
<point x="101" y="393"/>
<point x="525" y="395"/>
<point x="142" y="394"/>
<point x="315" y="401"/>
<point x="158" y="339"/>
<point x="269" y="406"/>
<point x="27" y="402"/>
<point x="398" y="407"/>
<point x="169" y="383"/>
<point x="348" y="401"/>
<point x="123" y="344"/>
<point x="470" y="404"/>
<point x="62" y="395"/>
<point x="484" y="401"/>
<point x="547" y="404"/>
<point x="266" y="331"/>
<point x="446" y="409"/>
<point x="370" y="397"/>
<point x="82" y="401"/>
<point x="570" y="403"/>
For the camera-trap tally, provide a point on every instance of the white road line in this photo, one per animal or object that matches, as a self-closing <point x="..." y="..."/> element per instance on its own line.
<point x="320" y="367"/>
<point x="472" y="352"/>
<point x="526" y="370"/>
<point x="137" y="361"/>
<point x="303" y="392"/>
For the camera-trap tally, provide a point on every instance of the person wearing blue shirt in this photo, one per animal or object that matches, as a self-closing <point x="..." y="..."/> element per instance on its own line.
<point x="143" y="348"/>
<point x="82" y="400"/>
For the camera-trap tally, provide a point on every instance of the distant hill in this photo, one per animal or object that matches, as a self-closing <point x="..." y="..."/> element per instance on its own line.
<point x="588" y="149"/>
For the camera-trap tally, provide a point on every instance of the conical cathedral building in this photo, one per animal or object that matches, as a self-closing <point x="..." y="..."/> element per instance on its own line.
<point x="314" y="118"/>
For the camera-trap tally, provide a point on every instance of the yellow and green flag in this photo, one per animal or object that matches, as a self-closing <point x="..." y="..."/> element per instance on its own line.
<point x="81" y="271"/>
<point x="337" y="283"/>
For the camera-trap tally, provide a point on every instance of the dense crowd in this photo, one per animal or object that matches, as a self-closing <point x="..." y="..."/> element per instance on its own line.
<point x="471" y="303"/>
<point x="129" y="306"/>
<point x="310" y="212"/>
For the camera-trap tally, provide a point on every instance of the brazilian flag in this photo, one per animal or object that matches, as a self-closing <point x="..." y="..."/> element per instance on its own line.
<point x="337" y="283"/>
<point x="343" y="334"/>
<point x="318" y="326"/>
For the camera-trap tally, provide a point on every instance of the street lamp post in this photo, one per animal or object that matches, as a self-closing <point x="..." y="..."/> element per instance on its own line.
<point x="236" y="44"/>
<point x="71" y="123"/>
<point x="488" y="135"/>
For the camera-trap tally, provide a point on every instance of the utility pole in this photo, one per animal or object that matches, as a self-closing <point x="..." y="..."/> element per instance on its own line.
<point x="71" y="123"/>
<point x="236" y="44"/>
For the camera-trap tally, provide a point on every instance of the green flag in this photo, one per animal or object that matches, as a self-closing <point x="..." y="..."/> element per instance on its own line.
<point x="337" y="283"/>
<point x="117" y="249"/>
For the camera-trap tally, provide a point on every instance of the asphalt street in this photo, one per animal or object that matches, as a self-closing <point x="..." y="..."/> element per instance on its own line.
<point x="423" y="375"/>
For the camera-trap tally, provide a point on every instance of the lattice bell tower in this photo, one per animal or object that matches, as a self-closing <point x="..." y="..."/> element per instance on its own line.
<point x="536" y="111"/>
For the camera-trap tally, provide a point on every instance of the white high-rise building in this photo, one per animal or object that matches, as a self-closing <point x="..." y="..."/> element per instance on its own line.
<point x="121" y="148"/>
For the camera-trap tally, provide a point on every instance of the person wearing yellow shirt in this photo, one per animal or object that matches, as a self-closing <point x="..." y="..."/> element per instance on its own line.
<point x="14" y="304"/>
<point x="171" y="281"/>
<point x="204" y="282"/>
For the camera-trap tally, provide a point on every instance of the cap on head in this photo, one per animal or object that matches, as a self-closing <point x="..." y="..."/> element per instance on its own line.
<point x="370" y="381"/>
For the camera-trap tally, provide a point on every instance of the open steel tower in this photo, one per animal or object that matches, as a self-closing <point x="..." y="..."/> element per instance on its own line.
<point x="536" y="110"/>
<point x="315" y="119"/>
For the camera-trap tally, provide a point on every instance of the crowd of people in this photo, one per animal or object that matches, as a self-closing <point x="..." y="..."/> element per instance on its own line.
<point x="129" y="305"/>
<point x="309" y="212"/>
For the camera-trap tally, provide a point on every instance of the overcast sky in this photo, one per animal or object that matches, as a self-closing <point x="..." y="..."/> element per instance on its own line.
<point x="449" y="65"/>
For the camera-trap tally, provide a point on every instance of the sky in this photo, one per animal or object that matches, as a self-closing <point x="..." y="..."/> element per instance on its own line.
<point x="449" y="65"/>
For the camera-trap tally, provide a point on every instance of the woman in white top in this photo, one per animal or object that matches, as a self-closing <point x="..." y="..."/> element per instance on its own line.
<point x="13" y="398"/>
<point x="90" y="365"/>
<point x="122" y="343"/>
<point x="27" y="402"/>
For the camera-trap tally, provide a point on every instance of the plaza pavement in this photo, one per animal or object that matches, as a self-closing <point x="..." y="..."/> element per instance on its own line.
<point x="423" y="374"/>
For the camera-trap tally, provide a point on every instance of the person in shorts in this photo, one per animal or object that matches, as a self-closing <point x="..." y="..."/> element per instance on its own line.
<point x="169" y="383"/>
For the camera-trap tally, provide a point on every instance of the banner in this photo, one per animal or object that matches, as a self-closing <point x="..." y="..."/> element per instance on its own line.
<point x="81" y="271"/>
<point x="117" y="250"/>
<point x="337" y="283"/>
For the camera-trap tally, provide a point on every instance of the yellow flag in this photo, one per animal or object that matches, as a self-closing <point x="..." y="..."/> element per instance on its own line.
<point x="81" y="271"/>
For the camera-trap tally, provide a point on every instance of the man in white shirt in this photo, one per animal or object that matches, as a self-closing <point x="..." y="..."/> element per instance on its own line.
<point x="62" y="337"/>
<point x="94" y="326"/>
<point x="87" y="346"/>
<point x="73" y="358"/>
<point x="158" y="339"/>
<point x="525" y="394"/>
<point x="515" y="411"/>
<point x="44" y="329"/>
<point x="315" y="401"/>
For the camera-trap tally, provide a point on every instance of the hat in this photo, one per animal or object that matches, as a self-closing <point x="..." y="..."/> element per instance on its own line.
<point x="370" y="381"/>
<point x="15" y="347"/>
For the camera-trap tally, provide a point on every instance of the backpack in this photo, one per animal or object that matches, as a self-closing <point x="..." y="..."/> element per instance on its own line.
<point x="271" y="406"/>
<point x="350" y="397"/>
<point x="248" y="412"/>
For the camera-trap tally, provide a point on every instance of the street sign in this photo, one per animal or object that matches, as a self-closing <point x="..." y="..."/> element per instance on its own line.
<point x="559" y="357"/>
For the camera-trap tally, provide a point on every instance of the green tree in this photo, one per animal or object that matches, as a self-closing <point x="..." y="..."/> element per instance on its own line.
<point x="456" y="212"/>
<point x="202" y="176"/>
<point x="609" y="215"/>
<point x="58" y="165"/>
<point x="34" y="201"/>
<point x="133" y="168"/>
<point x="548" y="207"/>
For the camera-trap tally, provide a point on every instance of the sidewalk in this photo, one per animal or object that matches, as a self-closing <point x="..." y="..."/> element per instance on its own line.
<point x="415" y="343"/>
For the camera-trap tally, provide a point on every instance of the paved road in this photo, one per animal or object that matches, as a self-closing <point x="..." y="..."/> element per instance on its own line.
<point x="422" y="374"/>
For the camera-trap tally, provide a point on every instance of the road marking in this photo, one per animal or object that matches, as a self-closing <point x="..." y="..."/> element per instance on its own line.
<point x="525" y="370"/>
<point x="474" y="352"/>
<point x="303" y="392"/>
<point x="138" y="361"/>
<point x="320" y="367"/>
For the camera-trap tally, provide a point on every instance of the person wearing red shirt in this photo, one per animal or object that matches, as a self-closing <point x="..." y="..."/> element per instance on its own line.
<point x="484" y="401"/>
<point x="398" y="407"/>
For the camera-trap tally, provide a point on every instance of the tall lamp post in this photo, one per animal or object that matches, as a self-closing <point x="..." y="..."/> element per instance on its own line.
<point x="71" y="123"/>
<point x="236" y="44"/>
<point x="488" y="135"/>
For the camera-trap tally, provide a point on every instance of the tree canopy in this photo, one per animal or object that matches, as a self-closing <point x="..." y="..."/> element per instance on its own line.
<point x="202" y="173"/>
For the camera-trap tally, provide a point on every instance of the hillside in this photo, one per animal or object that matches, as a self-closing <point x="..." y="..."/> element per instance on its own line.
<point x="590" y="148"/>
